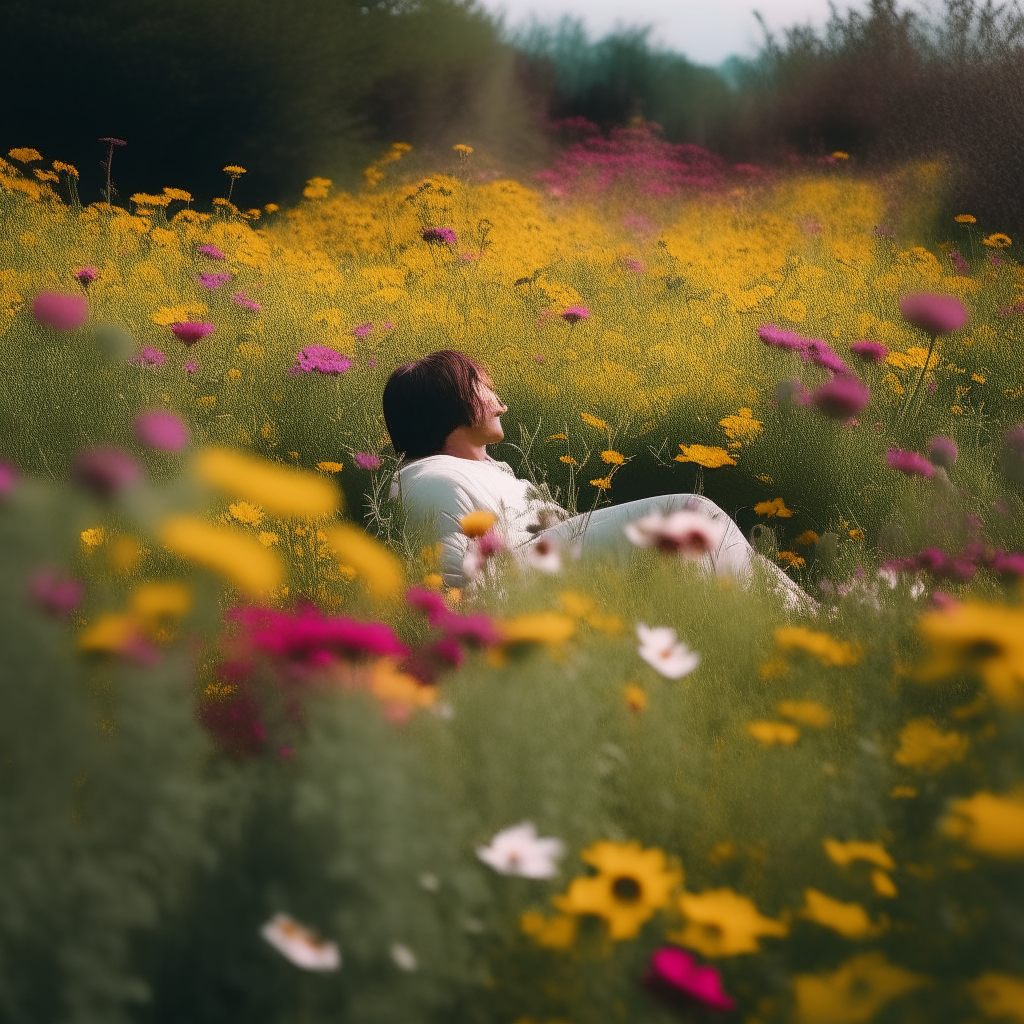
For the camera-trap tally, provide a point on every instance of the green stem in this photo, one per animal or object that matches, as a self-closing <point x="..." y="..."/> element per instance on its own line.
<point x="913" y="397"/>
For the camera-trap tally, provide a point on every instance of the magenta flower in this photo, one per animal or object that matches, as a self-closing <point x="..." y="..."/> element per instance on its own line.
<point x="440" y="236"/>
<point x="387" y="327"/>
<point x="105" y="471"/>
<point x="162" y="430"/>
<point x="674" y="973"/>
<point x="60" y="312"/>
<point x="960" y="265"/>
<point x="371" y="362"/>
<point x="214" y="281"/>
<point x="943" y="452"/>
<point x="190" y="333"/>
<point x="634" y="266"/>
<point x="934" y="314"/>
<point x="909" y="463"/>
<point x="776" y="337"/>
<point x="86" y="275"/>
<point x="8" y="478"/>
<point x="574" y="314"/>
<point x="366" y="461"/>
<point x="245" y="302"/>
<point x="149" y="357"/>
<point x="869" y="351"/>
<point x="429" y="602"/>
<point x="841" y="398"/>
<point x="54" y="593"/>
<point x="191" y="366"/>
<point x="823" y="354"/>
<point x="320" y="359"/>
<point x="362" y="330"/>
<point x="540" y="357"/>
<point x="1008" y="564"/>
<point x="211" y="251"/>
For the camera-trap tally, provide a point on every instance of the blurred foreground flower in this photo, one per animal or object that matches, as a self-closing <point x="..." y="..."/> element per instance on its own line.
<point x="825" y="648"/>
<point x="690" y="534"/>
<point x="841" y="397"/>
<point x="380" y="570"/>
<point x="934" y="314"/>
<point x="105" y="471"/>
<point x="54" y="593"/>
<point x="661" y="650"/>
<point x="989" y="824"/>
<point x="720" y="922"/>
<point x="162" y="430"/>
<point x="520" y="851"/>
<point x="300" y="945"/>
<point x="854" y="993"/>
<point x="60" y="312"/>
<point x="673" y="974"/>
<point x="869" y="351"/>
<point x="544" y="554"/>
<point x="909" y="463"/>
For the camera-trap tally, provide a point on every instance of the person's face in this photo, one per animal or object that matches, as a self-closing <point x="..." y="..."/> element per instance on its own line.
<point x="488" y="427"/>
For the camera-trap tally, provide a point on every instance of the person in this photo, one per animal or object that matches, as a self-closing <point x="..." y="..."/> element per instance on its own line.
<point x="442" y="412"/>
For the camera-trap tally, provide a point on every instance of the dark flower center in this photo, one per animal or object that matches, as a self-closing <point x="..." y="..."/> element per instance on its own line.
<point x="626" y="889"/>
<point x="982" y="650"/>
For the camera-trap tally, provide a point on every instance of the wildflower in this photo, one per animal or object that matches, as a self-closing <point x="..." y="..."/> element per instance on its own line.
<point x="574" y="314"/>
<point x="298" y="944"/>
<point x="317" y="188"/>
<point x="840" y="155"/>
<point x="25" y="155"/>
<point x="909" y="463"/>
<point x="271" y="208"/>
<point x="568" y="460"/>
<point x="806" y="712"/>
<point x="825" y="648"/>
<point x="602" y="483"/>
<point x="233" y="171"/>
<point x="846" y="853"/>
<point x="704" y="455"/>
<point x="663" y="652"/>
<point x="54" y="593"/>
<point x="591" y="421"/>
<point x="476" y="524"/>
<point x="742" y="426"/>
<point x="105" y="471"/>
<point x="720" y="922"/>
<point x="934" y="314"/>
<point x="854" y="992"/>
<point x="556" y="932"/>
<point x="849" y="919"/>
<point x="999" y="995"/>
<point x="320" y="359"/>
<point x="93" y="537"/>
<point x="214" y="281"/>
<point x="636" y="698"/>
<point x="557" y="437"/>
<point x="364" y="460"/>
<point x="771" y="733"/>
<point x="988" y="823"/>
<point x="8" y="478"/>
<point x="191" y="366"/>
<point x="60" y="312"/>
<point x="251" y="515"/>
<point x="404" y="957"/>
<point x="268" y="539"/>
<point x="775" y="507"/>
<point x="631" y="884"/>
<point x="841" y="398"/>
<point x="960" y="265"/>
<point x="791" y="559"/>
<point x="330" y="467"/>
<point x="869" y="351"/>
<point x="545" y="555"/>
<point x="777" y="337"/>
<point x="538" y="627"/>
<point x="189" y="333"/>
<point x="153" y="602"/>
<point x="111" y="633"/>
<point x="243" y="300"/>
<point x="823" y="355"/>
<point x="463" y="150"/>
<point x="377" y="567"/>
<point x="68" y="169"/>
<point x="161" y="430"/>
<point x="965" y="218"/>
<point x="690" y="534"/>
<point x="923" y="746"/>
<point x="210" y="251"/>
<point x="612" y="458"/>
<point x="177" y="194"/>
<point x="86" y="275"/>
<point x="806" y="539"/>
<point x="997" y="241"/>
<point x="673" y="974"/>
<point x="942" y="452"/>
<point x="520" y="851"/>
<point x="362" y="330"/>
<point x="440" y="236"/>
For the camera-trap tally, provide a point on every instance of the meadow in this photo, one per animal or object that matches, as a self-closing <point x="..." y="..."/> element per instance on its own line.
<point x="235" y="688"/>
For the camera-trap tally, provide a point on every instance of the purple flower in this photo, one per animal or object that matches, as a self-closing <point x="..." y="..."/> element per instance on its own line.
<point x="8" y="478"/>
<point x="674" y="973"/>
<point x="214" y="281"/>
<point x="574" y="314"/>
<point x="821" y="353"/>
<point x="362" y="330"/>
<point x="149" y="357"/>
<point x="54" y="593"/>
<point x="1008" y="564"/>
<point x="190" y="333"/>
<point x="634" y="266"/>
<point x="994" y="260"/>
<point x="86" y="276"/>
<point x="943" y="452"/>
<point x="841" y="397"/>
<point x="429" y="603"/>
<point x="321" y="359"/>
<point x="60" y="312"/>
<point x="211" y="251"/>
<point x="162" y="430"/>
<point x="366" y="461"/>
<point x="909" y="462"/>
<point x="105" y="471"/>
<point x="934" y="314"/>
<point x="371" y="362"/>
<point x="440" y="236"/>
<point x="191" y="366"/>
<point x="776" y="337"/>
<point x="245" y="302"/>
<point x="960" y="265"/>
<point x="869" y="351"/>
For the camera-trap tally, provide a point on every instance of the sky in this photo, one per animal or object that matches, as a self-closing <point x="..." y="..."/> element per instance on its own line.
<point x="706" y="31"/>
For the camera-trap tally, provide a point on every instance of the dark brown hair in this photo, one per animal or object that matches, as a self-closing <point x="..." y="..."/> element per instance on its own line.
<point x="426" y="400"/>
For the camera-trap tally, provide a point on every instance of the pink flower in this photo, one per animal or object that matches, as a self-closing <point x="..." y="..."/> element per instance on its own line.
<point x="149" y="357"/>
<point x="821" y="353"/>
<point x="943" y="452"/>
<point x="162" y="430"/>
<point x="440" y="236"/>
<point x="362" y="330"/>
<point x="387" y="327"/>
<point x="243" y="300"/>
<point x="540" y="357"/>
<point x="776" y="337"/>
<point x="190" y="333"/>
<point x="1008" y="564"/>
<point x="690" y="534"/>
<point x="86" y="276"/>
<point x="934" y="314"/>
<point x="53" y="592"/>
<point x="191" y="366"/>
<point x="8" y="478"/>
<point x="320" y="359"/>
<point x="60" y="312"/>
<point x="214" y="281"/>
<point x="869" y="351"/>
<point x="574" y="314"/>
<point x="634" y="266"/>
<point x="367" y="461"/>
<point x="105" y="471"/>
<point x="211" y="251"/>
<point x="960" y="265"/>
<point x="841" y="397"/>
<point x="674" y="973"/>
<point x="909" y="462"/>
<point x="371" y="362"/>
<point x="429" y="602"/>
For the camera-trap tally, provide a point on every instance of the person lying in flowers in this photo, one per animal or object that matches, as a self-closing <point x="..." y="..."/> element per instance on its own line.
<point x="442" y="412"/>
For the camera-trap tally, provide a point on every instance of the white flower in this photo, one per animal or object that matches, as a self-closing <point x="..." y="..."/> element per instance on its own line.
<point x="659" y="648"/>
<point x="691" y="534"/>
<point x="404" y="957"/>
<point x="300" y="945"/>
<point x="520" y="851"/>
<point x="545" y="554"/>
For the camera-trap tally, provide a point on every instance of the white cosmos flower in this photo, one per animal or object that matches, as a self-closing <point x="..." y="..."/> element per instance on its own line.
<point x="691" y="534"/>
<point x="660" y="649"/>
<point x="404" y="957"/>
<point x="303" y="947"/>
<point x="544" y="554"/>
<point x="520" y="851"/>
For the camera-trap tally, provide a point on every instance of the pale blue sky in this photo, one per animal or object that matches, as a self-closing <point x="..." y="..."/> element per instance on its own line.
<point x="706" y="31"/>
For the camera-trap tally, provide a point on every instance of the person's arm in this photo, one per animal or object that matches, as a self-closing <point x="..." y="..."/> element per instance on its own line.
<point x="435" y="504"/>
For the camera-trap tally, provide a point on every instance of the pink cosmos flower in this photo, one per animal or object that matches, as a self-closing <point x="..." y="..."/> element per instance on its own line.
<point x="475" y="630"/>
<point x="777" y="337"/>
<point x="943" y="452"/>
<point x="909" y="463"/>
<point x="191" y="366"/>
<point x="822" y="353"/>
<point x="429" y="602"/>
<point x="214" y="281"/>
<point x="86" y="275"/>
<point x="440" y="236"/>
<point x="934" y="314"/>
<point x="189" y="333"/>
<point x="54" y="593"/>
<point x="574" y="314"/>
<point x="686" y="533"/>
<point x="674" y="973"/>
<point x="149" y="357"/>
<point x="841" y="397"/>
<point x="427" y="663"/>
<point x="211" y="251"/>
<point x="243" y="300"/>
<point x="869" y="351"/>
<point x="8" y="478"/>
<point x="320" y="359"/>
<point x="366" y="461"/>
<point x="60" y="312"/>
<point x="105" y="471"/>
<point x="362" y="330"/>
<point x="162" y="430"/>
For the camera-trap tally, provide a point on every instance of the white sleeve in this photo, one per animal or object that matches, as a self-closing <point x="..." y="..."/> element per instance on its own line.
<point x="436" y="504"/>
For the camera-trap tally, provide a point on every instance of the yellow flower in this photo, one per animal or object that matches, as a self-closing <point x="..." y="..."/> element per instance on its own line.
<point x="775" y="507"/>
<point x="242" y="559"/>
<point x="25" y="155"/>
<point x="568" y="460"/>
<point x="433" y="581"/>
<point x="167" y="315"/>
<point x="111" y="633"/>
<point x="742" y="426"/>
<point x="612" y="458"/>
<point x="271" y="208"/>
<point x="251" y="515"/>
<point x="858" y="535"/>
<point x="985" y="638"/>
<point x="234" y="373"/>
<point x="577" y="605"/>
<point x="997" y="241"/>
<point x="636" y="699"/>
<point x="840" y="155"/>
<point x="330" y="467"/>
<point x="379" y="569"/>
<point x="988" y="823"/>
<point x="233" y="170"/>
<point x="846" y="853"/>
<point x="93" y="537"/>
<point x="791" y="559"/>
<point x="705" y="455"/>
<point x="806" y="539"/>
<point x="390" y="685"/>
<point x="965" y="218"/>
<point x="69" y="169"/>
<point x="558" y="437"/>
<point x="923" y="746"/>
<point x="774" y="668"/>
<point x="537" y="627"/>
<point x="476" y="524"/>
<point x="280" y="490"/>
<point x="849" y="919"/>
<point x="771" y="733"/>
<point x="1000" y="996"/>
<point x="884" y="885"/>
<point x="123" y="553"/>
<point x="207" y="402"/>
<point x="603" y="483"/>
<point x="45" y="175"/>
<point x="463" y="150"/>
<point x="317" y="188"/>
<point x="720" y="922"/>
<point x="557" y="932"/>
<point x="854" y="993"/>
<point x="178" y="194"/>
<point x="151" y="602"/>
<point x="593" y="421"/>
<point x="978" y="378"/>
<point x="630" y="886"/>
<point x="903" y="792"/>
<point x="806" y="712"/>
<point x="268" y="539"/>
<point x="826" y="649"/>
<point x="27" y="238"/>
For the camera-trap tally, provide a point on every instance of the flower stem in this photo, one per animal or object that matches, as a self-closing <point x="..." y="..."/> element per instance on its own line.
<point x="913" y="397"/>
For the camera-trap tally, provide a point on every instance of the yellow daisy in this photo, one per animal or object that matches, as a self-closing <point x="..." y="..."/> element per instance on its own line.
<point x="720" y="922"/>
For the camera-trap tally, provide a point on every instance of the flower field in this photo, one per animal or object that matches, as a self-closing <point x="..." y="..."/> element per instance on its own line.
<point x="257" y="763"/>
